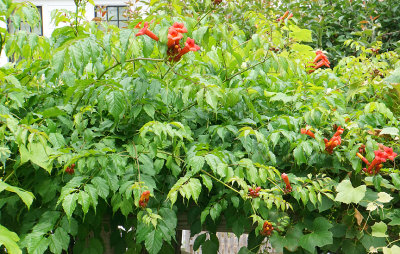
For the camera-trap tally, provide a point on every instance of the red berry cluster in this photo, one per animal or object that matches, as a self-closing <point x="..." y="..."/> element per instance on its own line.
<point x="381" y="156"/>
<point x="267" y="229"/>
<point x="254" y="193"/>
<point x="217" y="2"/>
<point x="361" y="149"/>
<point x="144" y="199"/>
<point x="70" y="170"/>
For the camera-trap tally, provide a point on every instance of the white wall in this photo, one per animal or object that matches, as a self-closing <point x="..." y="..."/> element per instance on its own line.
<point x="49" y="5"/>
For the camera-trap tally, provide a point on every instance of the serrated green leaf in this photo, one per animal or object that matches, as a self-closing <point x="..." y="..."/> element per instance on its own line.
<point x="215" y="211"/>
<point x="69" y="204"/>
<point x="207" y="182"/>
<point x="196" y="163"/>
<point x="153" y="241"/>
<point x="59" y="240"/>
<point x="101" y="186"/>
<point x="26" y="196"/>
<point x="58" y="60"/>
<point x="84" y="201"/>
<point x="149" y="109"/>
<point x="9" y="239"/>
<point x="195" y="188"/>
<point x="116" y="104"/>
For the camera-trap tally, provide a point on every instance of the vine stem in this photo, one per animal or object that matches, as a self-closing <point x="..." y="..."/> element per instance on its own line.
<point x="130" y="60"/>
<point x="5" y="180"/>
<point x="137" y="161"/>
<point x="275" y="184"/>
<point x="198" y="22"/>
<point x="240" y="72"/>
<point x="216" y="179"/>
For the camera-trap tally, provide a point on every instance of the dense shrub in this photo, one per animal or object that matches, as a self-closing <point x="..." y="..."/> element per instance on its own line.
<point x="109" y="130"/>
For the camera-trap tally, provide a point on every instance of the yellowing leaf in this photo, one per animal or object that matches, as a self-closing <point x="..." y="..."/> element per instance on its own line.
<point x="348" y="194"/>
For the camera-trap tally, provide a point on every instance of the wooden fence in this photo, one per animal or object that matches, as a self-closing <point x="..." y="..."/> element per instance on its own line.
<point x="228" y="243"/>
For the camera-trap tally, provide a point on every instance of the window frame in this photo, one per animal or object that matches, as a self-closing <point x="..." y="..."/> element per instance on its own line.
<point x="31" y="30"/>
<point x="118" y="20"/>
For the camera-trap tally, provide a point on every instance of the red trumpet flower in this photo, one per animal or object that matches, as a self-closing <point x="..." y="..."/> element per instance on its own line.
<point x="307" y="132"/>
<point x="334" y="141"/>
<point x="138" y="25"/>
<point x="179" y="27"/>
<point x="144" y="199"/>
<point x="381" y="156"/>
<point x="319" y="61"/>
<point x="283" y="17"/>
<point x="146" y="31"/>
<point x="285" y="178"/>
<point x="189" y="46"/>
<point x="173" y="37"/>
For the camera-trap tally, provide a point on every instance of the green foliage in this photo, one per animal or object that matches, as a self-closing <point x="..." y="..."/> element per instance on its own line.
<point x="94" y="116"/>
<point x="346" y="26"/>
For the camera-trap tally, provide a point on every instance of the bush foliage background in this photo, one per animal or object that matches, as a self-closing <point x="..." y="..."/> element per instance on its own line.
<point x="197" y="133"/>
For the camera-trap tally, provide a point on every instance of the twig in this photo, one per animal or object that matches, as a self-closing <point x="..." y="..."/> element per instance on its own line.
<point x="240" y="72"/>
<point x="137" y="161"/>
<point x="216" y="179"/>
<point x="184" y="109"/>
<point x="130" y="60"/>
<point x="198" y="22"/>
<point x="5" y="180"/>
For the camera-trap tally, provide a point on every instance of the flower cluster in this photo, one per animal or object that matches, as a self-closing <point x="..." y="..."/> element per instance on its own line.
<point x="286" y="15"/>
<point x="285" y="178"/>
<point x="307" y="132"/>
<point x="144" y="199"/>
<point x="334" y="141"/>
<point x="381" y="156"/>
<point x="70" y="170"/>
<point x="319" y="61"/>
<point x="254" y="193"/>
<point x="175" y="34"/>
<point x="146" y="31"/>
<point x="267" y="229"/>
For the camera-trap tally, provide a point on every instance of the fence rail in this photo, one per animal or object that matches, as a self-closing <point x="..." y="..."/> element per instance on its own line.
<point x="228" y="243"/>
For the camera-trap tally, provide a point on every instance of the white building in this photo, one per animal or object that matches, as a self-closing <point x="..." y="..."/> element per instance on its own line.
<point x="114" y="14"/>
